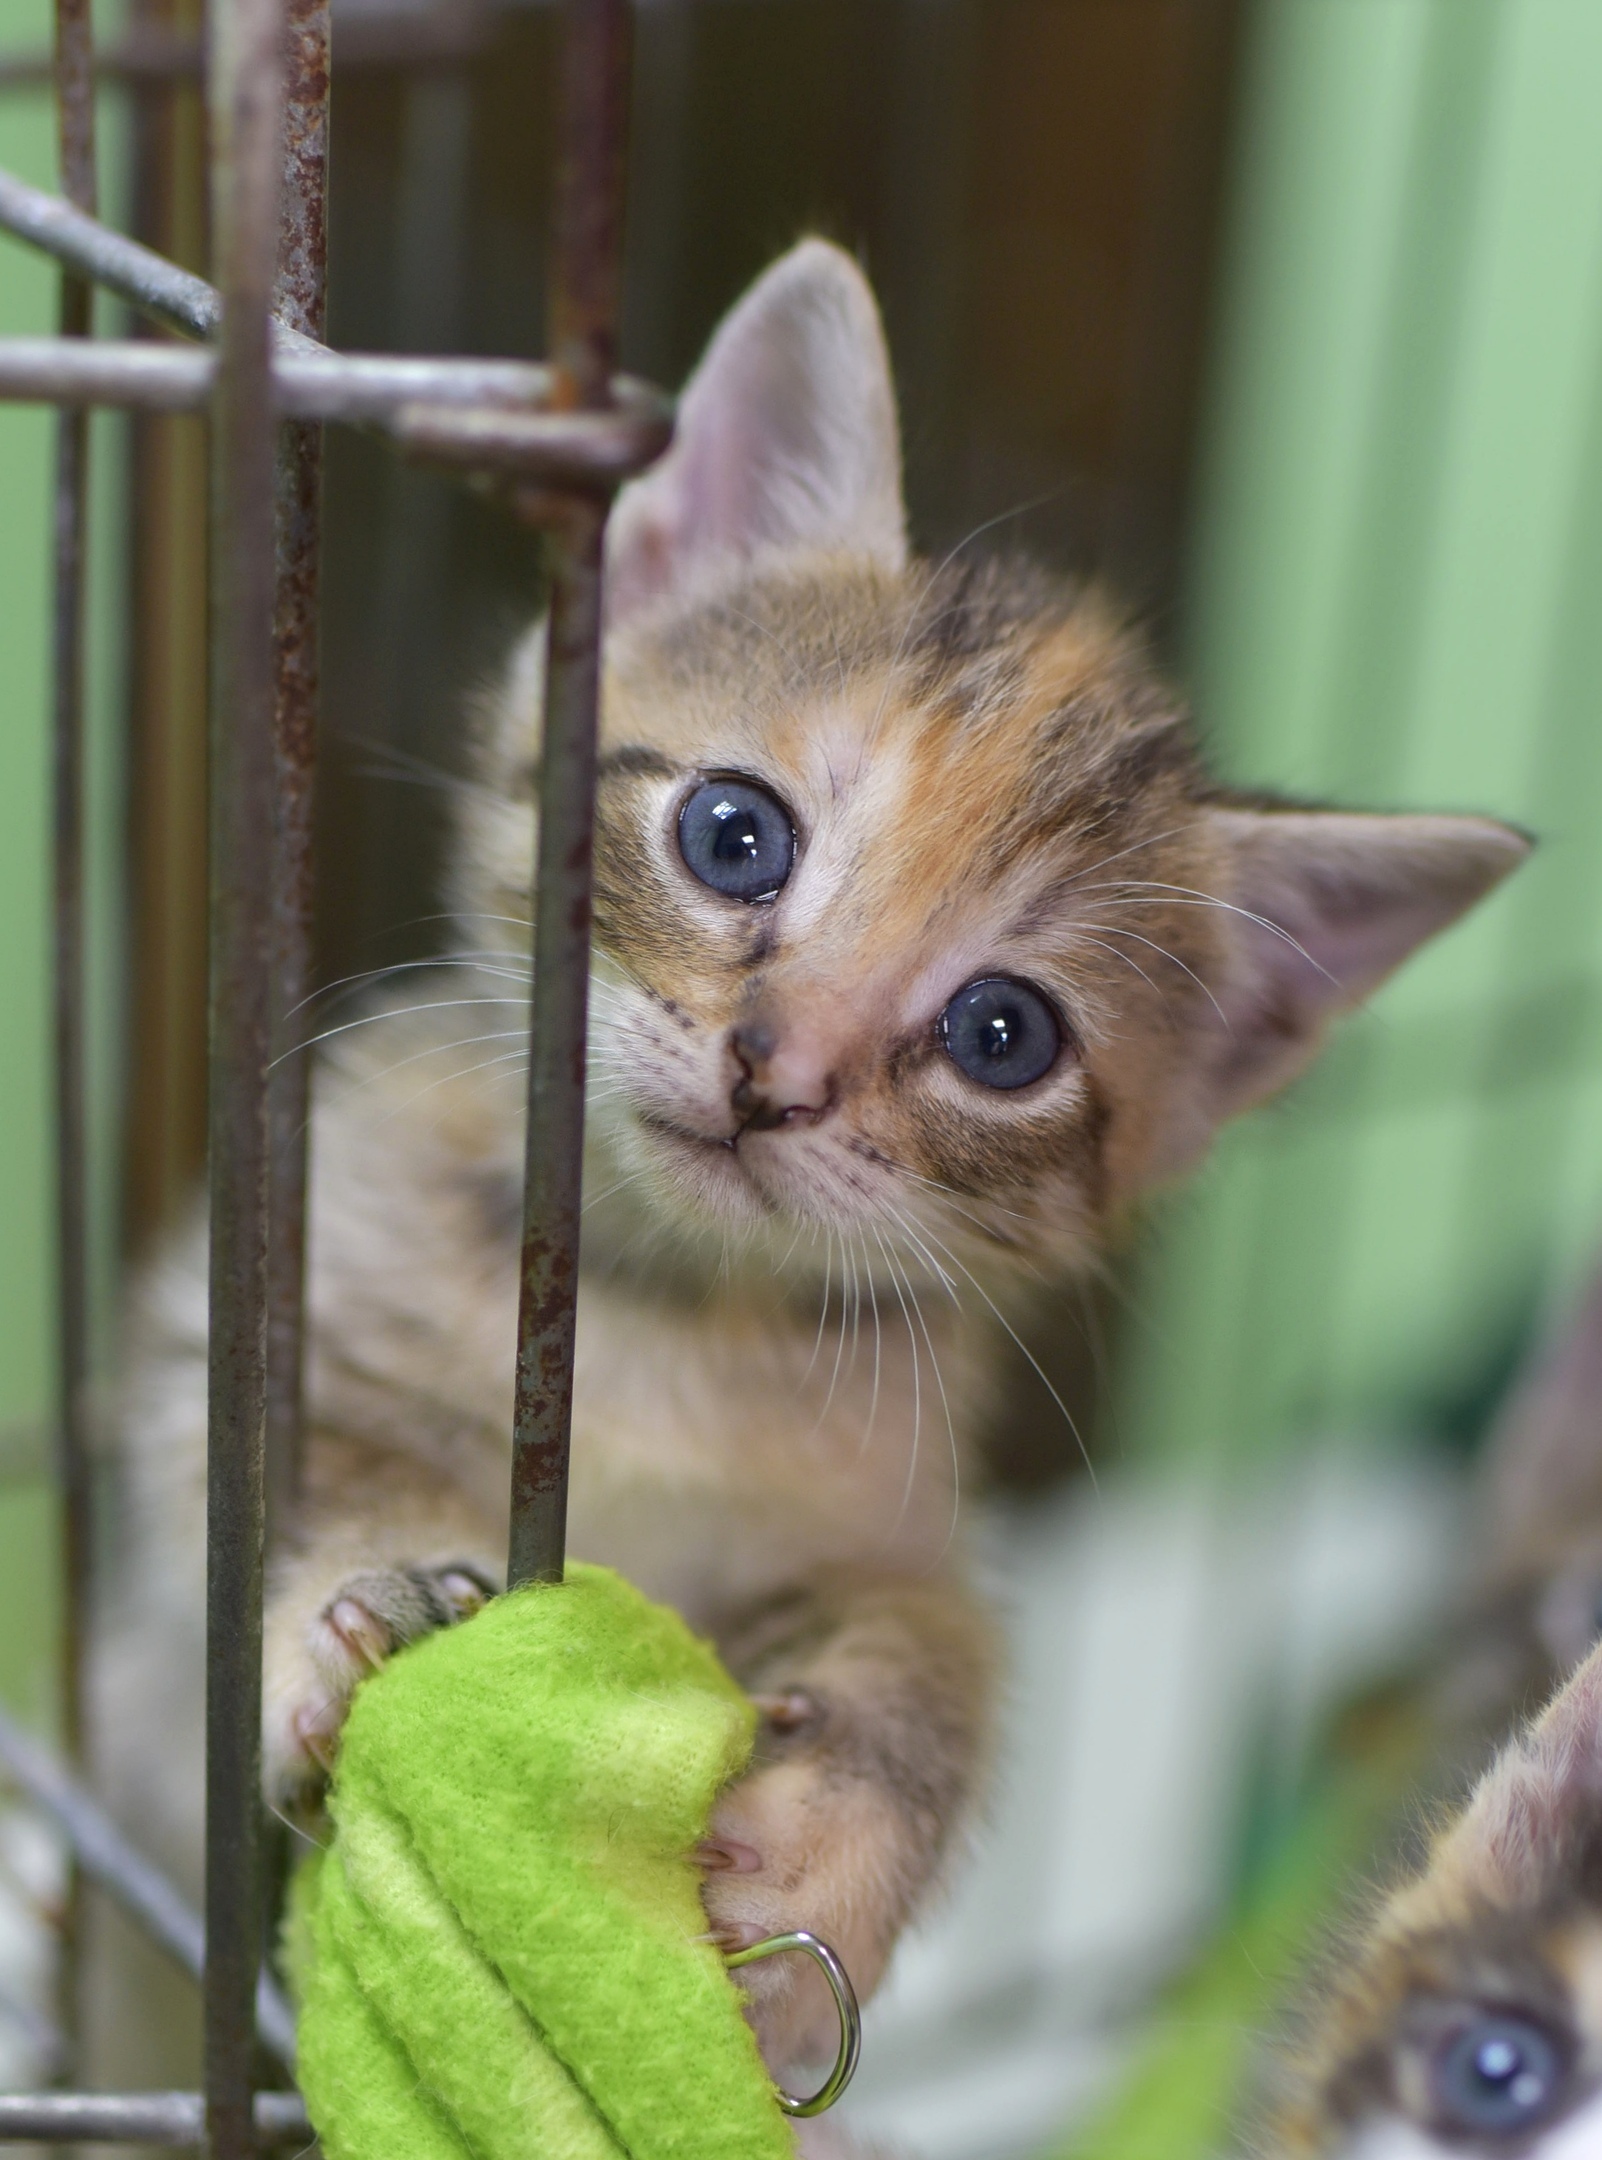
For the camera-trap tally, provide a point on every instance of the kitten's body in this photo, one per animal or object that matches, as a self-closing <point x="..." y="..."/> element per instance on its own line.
<point x="805" y="1216"/>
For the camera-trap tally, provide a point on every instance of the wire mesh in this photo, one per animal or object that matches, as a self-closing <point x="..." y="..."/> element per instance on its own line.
<point x="563" y="438"/>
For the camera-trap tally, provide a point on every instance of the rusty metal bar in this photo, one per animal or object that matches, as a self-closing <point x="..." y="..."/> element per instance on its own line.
<point x="245" y="111"/>
<point x="153" y="2118"/>
<point x="586" y="267"/>
<point x="369" y="38"/>
<point x="123" y="1872"/>
<point x="300" y="301"/>
<point x="75" y="122"/>
<point x="136" y="274"/>
<point x="469" y="412"/>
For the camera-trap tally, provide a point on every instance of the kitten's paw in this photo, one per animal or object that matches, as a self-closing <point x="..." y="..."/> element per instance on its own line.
<point x="794" y="1845"/>
<point x="370" y="1616"/>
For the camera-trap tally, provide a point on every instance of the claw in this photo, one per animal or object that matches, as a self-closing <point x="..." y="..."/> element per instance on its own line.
<point x="465" y="1594"/>
<point x="734" y="1935"/>
<point x="315" y="1738"/>
<point x="360" y="1631"/>
<point x="788" y="1710"/>
<point x="718" y="1854"/>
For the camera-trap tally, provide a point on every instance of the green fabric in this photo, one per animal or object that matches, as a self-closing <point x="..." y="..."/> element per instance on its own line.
<point x="497" y="1957"/>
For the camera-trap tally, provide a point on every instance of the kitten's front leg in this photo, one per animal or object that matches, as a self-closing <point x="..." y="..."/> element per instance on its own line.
<point x="877" y="1697"/>
<point x="396" y="1556"/>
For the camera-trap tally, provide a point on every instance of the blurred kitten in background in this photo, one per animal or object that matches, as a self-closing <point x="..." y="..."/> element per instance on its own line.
<point x="1470" y="2022"/>
<point x="1469" y="2019"/>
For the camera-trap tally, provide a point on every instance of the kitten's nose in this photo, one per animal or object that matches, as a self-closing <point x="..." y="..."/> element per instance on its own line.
<point x="782" y="1080"/>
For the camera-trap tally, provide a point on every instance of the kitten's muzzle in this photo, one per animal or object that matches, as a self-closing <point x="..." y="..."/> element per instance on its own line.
<point x="780" y="1083"/>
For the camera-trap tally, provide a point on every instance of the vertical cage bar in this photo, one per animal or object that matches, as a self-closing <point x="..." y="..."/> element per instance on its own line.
<point x="245" y="91"/>
<point x="301" y="301"/>
<point x="76" y="140"/>
<point x="587" y="259"/>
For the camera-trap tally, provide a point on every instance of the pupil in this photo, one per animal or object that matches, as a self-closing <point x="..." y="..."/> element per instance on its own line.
<point x="1497" y="2061"/>
<point x="737" y="834"/>
<point x="995" y="1037"/>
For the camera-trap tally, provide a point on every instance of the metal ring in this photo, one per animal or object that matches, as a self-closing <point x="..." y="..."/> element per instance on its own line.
<point x="845" y="2001"/>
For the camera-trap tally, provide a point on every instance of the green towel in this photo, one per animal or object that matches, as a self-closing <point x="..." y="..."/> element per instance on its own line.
<point x="498" y="1957"/>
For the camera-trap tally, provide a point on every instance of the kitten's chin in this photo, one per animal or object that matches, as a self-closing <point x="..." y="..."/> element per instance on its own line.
<point x="704" y="1177"/>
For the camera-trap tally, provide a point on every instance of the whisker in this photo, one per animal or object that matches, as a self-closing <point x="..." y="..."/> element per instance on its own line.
<point x="395" y="1012"/>
<point x="823" y="1312"/>
<point x="344" y="986"/>
<point x="917" y="1387"/>
<point x="951" y="1430"/>
<point x="1191" y="896"/>
<point x="1118" y="930"/>
<point x="1079" y="1439"/>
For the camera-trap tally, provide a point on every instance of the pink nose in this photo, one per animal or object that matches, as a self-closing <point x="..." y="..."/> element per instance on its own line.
<point x="782" y="1081"/>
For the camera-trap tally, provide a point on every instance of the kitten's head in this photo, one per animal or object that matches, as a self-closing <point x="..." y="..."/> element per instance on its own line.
<point x="917" y="918"/>
<point x="1471" y="2022"/>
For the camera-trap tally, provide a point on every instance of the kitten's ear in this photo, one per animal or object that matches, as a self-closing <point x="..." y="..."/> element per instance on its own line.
<point x="1542" y="1475"/>
<point x="786" y="437"/>
<point x="1537" y="1811"/>
<point x="1321" y="905"/>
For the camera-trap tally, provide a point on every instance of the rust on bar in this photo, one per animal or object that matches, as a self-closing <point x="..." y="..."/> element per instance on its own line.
<point x="151" y="54"/>
<point x="542" y="1411"/>
<point x="585" y="284"/>
<point x="587" y="452"/>
<point x="74" y="55"/>
<point x="245" y="101"/>
<point x="300" y="302"/>
<point x="591" y="164"/>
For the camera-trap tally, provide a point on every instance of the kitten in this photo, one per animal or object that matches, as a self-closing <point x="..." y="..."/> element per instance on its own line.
<point x="924" y="948"/>
<point x="1471" y="2020"/>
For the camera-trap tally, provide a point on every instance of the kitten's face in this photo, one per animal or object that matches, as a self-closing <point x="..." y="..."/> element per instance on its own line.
<point x="1471" y="2022"/>
<point x="918" y="927"/>
<point x="891" y="875"/>
<point x="1487" y="2041"/>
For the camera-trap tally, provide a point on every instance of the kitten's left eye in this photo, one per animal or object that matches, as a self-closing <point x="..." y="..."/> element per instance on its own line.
<point x="1498" y="2075"/>
<point x="1001" y="1033"/>
<point x="737" y="838"/>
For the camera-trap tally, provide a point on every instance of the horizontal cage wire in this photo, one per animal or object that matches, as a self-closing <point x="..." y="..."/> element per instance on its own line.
<point x="558" y="439"/>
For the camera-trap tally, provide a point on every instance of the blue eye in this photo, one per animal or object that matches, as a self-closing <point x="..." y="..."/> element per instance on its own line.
<point x="1498" y="2075"/>
<point x="1001" y="1033"/>
<point x="737" y="838"/>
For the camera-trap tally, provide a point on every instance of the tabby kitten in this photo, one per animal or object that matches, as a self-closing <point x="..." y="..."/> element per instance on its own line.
<point x="1470" y="2023"/>
<point x="924" y="948"/>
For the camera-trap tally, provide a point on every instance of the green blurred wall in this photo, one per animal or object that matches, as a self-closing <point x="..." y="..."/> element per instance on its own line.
<point x="28" y="304"/>
<point x="1396" y="600"/>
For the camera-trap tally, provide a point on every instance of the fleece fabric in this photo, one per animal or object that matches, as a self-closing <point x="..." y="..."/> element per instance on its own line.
<point x="497" y="1954"/>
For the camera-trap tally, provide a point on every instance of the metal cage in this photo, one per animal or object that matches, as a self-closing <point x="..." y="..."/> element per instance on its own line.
<point x="558" y="439"/>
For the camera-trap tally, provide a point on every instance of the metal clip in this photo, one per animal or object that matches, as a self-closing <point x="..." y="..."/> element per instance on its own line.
<point x="845" y="2001"/>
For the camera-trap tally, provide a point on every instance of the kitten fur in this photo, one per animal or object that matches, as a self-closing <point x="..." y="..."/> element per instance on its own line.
<point x="1506" y="1919"/>
<point x="805" y="1225"/>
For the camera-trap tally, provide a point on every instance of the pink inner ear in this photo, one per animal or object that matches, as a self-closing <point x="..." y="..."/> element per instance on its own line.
<point x="1542" y="1797"/>
<point x="787" y="437"/>
<point x="1330" y="904"/>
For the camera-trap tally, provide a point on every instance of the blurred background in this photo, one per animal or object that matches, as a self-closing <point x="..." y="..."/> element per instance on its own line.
<point x="1285" y="316"/>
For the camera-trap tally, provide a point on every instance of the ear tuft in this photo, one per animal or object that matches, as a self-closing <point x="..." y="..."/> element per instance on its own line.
<point x="1325" y="905"/>
<point x="787" y="438"/>
<point x="1535" y="1816"/>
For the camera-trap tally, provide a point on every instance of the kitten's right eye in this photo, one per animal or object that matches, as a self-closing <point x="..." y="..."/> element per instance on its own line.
<point x="737" y="838"/>
<point x="1001" y="1033"/>
<point x="1498" y="2075"/>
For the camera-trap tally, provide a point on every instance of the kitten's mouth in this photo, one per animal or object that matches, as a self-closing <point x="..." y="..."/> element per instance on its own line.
<point x="716" y="1163"/>
<point x="667" y="1128"/>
